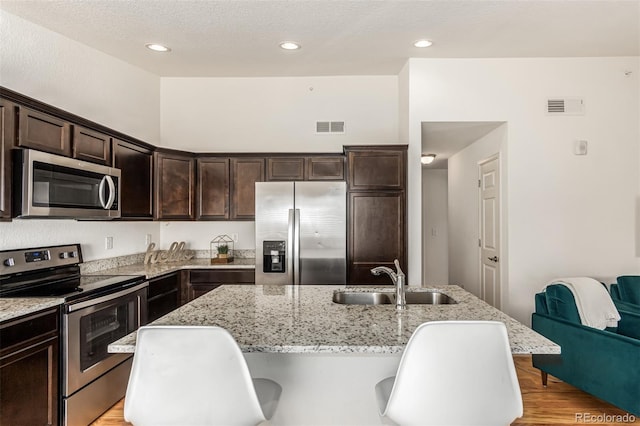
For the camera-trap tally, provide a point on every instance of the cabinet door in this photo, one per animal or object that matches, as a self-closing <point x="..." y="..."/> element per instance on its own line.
<point x="163" y="296"/>
<point x="325" y="168"/>
<point x="92" y="146"/>
<point x="213" y="188"/>
<point x="29" y="371"/>
<point x="203" y="281"/>
<point x="245" y="172"/>
<point x="136" y="165"/>
<point x="43" y="132"/>
<point x="285" y="168"/>
<point x="7" y="132"/>
<point x="377" y="234"/>
<point x="174" y="186"/>
<point x="376" y="169"/>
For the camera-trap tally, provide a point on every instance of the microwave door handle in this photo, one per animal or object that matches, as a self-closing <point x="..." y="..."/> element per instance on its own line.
<point x="112" y="192"/>
<point x="101" y="192"/>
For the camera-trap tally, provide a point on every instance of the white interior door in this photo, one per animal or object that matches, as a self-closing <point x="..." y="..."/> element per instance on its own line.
<point x="490" y="231"/>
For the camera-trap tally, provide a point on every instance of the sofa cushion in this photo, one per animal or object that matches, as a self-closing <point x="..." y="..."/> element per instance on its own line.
<point x="561" y="304"/>
<point x="629" y="288"/>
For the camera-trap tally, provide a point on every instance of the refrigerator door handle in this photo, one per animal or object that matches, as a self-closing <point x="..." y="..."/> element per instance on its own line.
<point x="296" y="247"/>
<point x="290" y="244"/>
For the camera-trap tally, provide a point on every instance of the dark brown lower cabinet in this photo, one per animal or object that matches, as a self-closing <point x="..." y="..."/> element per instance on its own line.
<point x="202" y="281"/>
<point x="163" y="295"/>
<point x="29" y="354"/>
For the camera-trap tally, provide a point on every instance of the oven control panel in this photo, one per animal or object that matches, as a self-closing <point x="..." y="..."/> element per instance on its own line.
<point x="14" y="261"/>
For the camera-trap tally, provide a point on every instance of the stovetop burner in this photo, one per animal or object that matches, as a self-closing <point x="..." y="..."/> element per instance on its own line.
<point x="54" y="272"/>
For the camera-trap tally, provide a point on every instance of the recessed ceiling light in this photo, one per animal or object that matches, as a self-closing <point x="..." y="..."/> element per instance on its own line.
<point x="157" y="47"/>
<point x="290" y="45"/>
<point x="422" y="43"/>
<point x="428" y="158"/>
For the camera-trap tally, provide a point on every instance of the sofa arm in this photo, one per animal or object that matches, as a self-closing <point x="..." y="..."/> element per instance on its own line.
<point x="602" y="363"/>
<point x="629" y="324"/>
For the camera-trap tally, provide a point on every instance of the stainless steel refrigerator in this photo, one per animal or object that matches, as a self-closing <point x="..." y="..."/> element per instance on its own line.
<point x="301" y="233"/>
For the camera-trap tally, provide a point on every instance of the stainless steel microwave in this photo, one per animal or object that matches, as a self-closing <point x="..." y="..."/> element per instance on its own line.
<point x="48" y="185"/>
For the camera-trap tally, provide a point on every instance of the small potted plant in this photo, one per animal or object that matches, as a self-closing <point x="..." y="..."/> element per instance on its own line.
<point x="223" y="251"/>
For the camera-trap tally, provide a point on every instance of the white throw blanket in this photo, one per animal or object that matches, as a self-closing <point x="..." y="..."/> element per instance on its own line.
<point x="595" y="307"/>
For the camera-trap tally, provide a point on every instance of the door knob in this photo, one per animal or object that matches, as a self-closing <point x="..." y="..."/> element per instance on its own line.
<point x="493" y="259"/>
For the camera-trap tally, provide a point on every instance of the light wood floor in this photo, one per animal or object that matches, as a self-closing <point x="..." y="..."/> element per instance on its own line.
<point x="555" y="405"/>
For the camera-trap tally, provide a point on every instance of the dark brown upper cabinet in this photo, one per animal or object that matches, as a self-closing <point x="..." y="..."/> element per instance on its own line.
<point x="285" y="168"/>
<point x="174" y="185"/>
<point x="92" y="146"/>
<point x="325" y="168"/>
<point x="245" y="172"/>
<point x="136" y="180"/>
<point x="212" y="188"/>
<point x="7" y="137"/>
<point x="376" y="167"/>
<point x="43" y="132"/>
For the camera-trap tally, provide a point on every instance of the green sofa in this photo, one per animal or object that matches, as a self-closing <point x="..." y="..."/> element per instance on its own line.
<point x="604" y="363"/>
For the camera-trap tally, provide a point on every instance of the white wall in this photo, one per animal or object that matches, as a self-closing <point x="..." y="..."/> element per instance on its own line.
<point x="199" y="234"/>
<point x="271" y="114"/>
<point x="277" y="114"/>
<point x="59" y="71"/>
<point x="128" y="237"/>
<point x="567" y="215"/>
<point x="464" y="213"/>
<point x="435" y="227"/>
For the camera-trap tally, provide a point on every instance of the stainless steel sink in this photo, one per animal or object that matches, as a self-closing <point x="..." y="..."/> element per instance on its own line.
<point x="384" y="298"/>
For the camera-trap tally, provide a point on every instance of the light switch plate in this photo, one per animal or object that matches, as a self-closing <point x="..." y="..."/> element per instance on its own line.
<point x="580" y="147"/>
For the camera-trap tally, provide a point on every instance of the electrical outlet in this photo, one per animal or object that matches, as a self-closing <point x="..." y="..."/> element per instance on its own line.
<point x="108" y="243"/>
<point x="234" y="237"/>
<point x="147" y="239"/>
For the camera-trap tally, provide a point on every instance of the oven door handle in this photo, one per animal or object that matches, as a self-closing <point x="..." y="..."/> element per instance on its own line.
<point x="106" y="298"/>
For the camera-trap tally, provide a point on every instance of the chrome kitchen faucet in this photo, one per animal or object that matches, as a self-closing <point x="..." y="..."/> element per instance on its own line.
<point x="398" y="279"/>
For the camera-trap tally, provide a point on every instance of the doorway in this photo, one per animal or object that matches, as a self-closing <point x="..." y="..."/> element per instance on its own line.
<point x="450" y="213"/>
<point x="489" y="225"/>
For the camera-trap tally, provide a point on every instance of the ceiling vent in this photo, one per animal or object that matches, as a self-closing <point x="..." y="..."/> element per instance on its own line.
<point x="565" y="106"/>
<point x="329" y="127"/>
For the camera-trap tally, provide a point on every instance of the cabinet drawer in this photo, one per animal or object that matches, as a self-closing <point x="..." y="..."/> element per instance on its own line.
<point x="28" y="329"/>
<point x="162" y="285"/>
<point x="325" y="168"/>
<point x="43" y="132"/>
<point x="285" y="168"/>
<point x="92" y="146"/>
<point x="223" y="276"/>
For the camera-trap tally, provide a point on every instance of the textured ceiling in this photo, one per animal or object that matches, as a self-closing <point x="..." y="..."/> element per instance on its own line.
<point x="240" y="38"/>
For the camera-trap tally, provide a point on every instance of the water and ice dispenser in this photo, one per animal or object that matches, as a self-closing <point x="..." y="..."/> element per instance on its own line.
<point x="274" y="256"/>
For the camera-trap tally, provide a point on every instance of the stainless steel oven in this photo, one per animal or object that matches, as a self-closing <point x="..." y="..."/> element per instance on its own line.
<point x="94" y="379"/>
<point x="97" y="311"/>
<point x="53" y="186"/>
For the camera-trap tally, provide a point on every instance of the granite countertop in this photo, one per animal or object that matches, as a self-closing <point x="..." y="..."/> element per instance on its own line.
<point x="298" y="319"/>
<point x="15" y="307"/>
<point x="157" y="269"/>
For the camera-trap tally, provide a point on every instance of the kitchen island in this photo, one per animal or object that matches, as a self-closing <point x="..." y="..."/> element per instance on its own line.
<point x="328" y="357"/>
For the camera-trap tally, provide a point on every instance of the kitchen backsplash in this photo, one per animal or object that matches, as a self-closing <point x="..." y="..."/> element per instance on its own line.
<point x="93" y="266"/>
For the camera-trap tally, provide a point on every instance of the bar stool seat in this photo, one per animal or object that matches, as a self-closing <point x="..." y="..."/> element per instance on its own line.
<point x="453" y="373"/>
<point x="188" y="376"/>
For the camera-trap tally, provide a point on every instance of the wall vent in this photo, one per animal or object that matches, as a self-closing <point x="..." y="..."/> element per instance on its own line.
<point x="327" y="127"/>
<point x="565" y="106"/>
